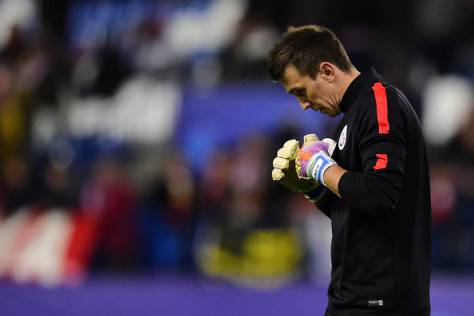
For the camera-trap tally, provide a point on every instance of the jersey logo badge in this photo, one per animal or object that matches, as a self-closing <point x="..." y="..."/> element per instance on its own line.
<point x="342" y="138"/>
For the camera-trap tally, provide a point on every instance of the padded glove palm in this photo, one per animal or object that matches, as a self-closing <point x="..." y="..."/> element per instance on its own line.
<point x="284" y="168"/>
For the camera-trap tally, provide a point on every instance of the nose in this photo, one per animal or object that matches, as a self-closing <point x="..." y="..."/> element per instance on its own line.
<point x="305" y="104"/>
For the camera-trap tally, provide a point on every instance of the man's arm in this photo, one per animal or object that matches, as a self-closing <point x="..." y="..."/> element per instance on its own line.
<point x="383" y="148"/>
<point x="332" y="176"/>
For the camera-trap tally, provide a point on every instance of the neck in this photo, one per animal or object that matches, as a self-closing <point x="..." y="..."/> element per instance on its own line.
<point x="346" y="80"/>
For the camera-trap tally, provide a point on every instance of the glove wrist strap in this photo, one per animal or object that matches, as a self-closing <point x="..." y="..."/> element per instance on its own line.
<point x="317" y="166"/>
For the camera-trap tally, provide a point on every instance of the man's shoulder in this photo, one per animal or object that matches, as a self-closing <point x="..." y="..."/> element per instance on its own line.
<point x="380" y="96"/>
<point x="379" y="106"/>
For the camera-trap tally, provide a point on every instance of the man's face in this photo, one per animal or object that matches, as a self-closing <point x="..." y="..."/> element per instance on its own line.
<point x="317" y="93"/>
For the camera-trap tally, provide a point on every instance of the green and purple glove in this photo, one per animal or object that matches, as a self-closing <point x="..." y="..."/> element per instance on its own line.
<point x="314" y="158"/>
<point x="284" y="170"/>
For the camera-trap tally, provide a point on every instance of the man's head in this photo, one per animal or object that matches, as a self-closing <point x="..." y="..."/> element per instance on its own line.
<point x="313" y="65"/>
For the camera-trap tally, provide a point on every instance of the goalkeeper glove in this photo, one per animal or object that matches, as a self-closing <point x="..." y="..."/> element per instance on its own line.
<point x="284" y="169"/>
<point x="314" y="158"/>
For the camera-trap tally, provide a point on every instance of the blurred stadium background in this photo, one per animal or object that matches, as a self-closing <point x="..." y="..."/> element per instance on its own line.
<point x="136" y="140"/>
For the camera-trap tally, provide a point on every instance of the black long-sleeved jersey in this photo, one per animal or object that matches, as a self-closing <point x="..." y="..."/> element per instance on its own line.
<point x="381" y="244"/>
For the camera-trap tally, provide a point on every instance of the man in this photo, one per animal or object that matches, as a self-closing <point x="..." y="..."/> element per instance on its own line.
<point x="374" y="187"/>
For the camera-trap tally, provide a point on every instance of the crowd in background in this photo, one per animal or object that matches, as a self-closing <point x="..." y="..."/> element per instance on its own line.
<point x="91" y="105"/>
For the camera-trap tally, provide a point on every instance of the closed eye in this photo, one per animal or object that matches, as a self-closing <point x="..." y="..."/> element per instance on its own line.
<point x="298" y="92"/>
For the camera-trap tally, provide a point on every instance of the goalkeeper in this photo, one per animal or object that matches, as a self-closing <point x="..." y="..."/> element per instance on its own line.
<point x="372" y="180"/>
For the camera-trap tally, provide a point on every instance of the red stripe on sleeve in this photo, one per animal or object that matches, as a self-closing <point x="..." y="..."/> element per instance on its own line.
<point x="382" y="111"/>
<point x="382" y="160"/>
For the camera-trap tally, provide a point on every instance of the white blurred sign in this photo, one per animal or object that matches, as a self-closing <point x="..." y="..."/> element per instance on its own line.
<point x="142" y="111"/>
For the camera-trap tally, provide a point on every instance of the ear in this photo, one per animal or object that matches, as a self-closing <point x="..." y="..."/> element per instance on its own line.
<point x="327" y="71"/>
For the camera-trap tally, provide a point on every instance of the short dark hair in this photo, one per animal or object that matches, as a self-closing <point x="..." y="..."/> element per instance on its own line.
<point x="305" y="47"/>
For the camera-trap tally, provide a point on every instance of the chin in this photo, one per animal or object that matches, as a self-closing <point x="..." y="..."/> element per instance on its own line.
<point x="331" y="113"/>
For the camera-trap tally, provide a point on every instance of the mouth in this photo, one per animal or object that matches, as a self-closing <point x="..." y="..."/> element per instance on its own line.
<point x="315" y="108"/>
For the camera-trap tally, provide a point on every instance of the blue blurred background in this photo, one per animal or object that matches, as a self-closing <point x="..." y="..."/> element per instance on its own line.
<point x="136" y="140"/>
